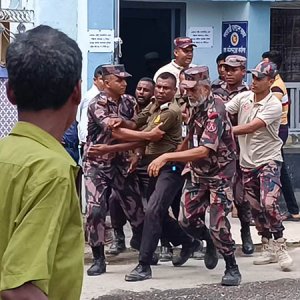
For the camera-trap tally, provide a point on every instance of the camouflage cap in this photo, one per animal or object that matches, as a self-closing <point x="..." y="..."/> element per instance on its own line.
<point x="235" y="61"/>
<point x="264" y="69"/>
<point x="117" y="70"/>
<point x="183" y="42"/>
<point x="194" y="75"/>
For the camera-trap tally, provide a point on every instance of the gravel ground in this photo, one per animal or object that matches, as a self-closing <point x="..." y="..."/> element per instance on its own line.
<point x="288" y="289"/>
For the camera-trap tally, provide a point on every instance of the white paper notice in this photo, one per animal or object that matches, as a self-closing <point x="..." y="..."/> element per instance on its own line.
<point x="202" y="36"/>
<point x="101" y="40"/>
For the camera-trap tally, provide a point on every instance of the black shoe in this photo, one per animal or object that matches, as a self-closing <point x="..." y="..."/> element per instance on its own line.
<point x="199" y="253"/>
<point x="247" y="243"/>
<point x="118" y="245"/>
<point x="232" y="276"/>
<point x="165" y="254"/>
<point x="139" y="273"/>
<point x="185" y="253"/>
<point x="211" y="256"/>
<point x="97" y="268"/>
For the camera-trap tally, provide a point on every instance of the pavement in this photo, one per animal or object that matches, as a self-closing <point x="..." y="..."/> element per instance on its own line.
<point x="194" y="281"/>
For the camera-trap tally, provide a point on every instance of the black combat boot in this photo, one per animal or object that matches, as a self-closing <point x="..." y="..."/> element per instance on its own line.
<point x="247" y="243"/>
<point x="139" y="273"/>
<point x="186" y="251"/>
<point x="232" y="276"/>
<point x="118" y="244"/>
<point x="211" y="256"/>
<point x="99" y="265"/>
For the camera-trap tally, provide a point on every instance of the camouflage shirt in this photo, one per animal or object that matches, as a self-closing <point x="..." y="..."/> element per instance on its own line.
<point x="221" y="89"/>
<point x="210" y="126"/>
<point x="101" y="108"/>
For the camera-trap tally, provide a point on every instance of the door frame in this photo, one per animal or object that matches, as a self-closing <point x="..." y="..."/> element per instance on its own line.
<point x="162" y="5"/>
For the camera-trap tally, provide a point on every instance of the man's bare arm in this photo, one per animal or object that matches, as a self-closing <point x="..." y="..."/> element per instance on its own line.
<point x="181" y="156"/>
<point x="27" y="291"/>
<point x="101" y="149"/>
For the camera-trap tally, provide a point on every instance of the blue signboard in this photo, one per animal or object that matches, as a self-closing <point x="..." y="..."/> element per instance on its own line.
<point x="235" y="37"/>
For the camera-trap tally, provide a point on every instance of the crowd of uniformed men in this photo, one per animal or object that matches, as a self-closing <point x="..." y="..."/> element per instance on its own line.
<point x="182" y="148"/>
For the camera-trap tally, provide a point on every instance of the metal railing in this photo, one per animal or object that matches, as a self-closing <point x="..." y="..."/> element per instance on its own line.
<point x="294" y="109"/>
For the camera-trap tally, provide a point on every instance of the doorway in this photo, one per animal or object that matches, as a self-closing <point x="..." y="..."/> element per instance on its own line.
<point x="147" y="30"/>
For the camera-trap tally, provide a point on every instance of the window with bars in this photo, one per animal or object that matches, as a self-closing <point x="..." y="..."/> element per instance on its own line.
<point x="285" y="37"/>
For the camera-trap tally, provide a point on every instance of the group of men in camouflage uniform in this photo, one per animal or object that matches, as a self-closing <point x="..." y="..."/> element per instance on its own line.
<point x="188" y="142"/>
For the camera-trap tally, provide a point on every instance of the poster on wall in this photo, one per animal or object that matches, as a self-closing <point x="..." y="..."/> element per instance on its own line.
<point x="202" y="36"/>
<point x="235" y="37"/>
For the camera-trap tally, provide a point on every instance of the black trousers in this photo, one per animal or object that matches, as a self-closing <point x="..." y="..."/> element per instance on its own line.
<point x="162" y="191"/>
<point x="287" y="188"/>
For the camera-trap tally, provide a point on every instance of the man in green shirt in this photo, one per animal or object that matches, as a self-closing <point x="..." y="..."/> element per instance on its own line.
<point x="41" y="249"/>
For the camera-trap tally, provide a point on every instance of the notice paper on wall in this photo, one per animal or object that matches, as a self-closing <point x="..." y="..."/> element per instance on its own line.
<point x="203" y="37"/>
<point x="100" y="40"/>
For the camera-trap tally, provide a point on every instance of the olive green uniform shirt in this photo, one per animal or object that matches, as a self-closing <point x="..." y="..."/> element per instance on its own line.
<point x="169" y="114"/>
<point x="41" y="235"/>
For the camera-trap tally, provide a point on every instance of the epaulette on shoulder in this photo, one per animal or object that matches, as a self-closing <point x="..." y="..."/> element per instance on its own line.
<point x="165" y="106"/>
<point x="102" y="99"/>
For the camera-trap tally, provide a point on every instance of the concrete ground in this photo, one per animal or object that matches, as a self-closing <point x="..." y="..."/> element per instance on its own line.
<point x="190" y="276"/>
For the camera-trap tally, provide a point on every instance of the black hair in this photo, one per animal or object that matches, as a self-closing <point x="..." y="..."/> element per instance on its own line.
<point x="274" y="56"/>
<point x="222" y="56"/>
<point x="168" y="75"/>
<point x="98" y="71"/>
<point x="44" y="65"/>
<point x="148" y="79"/>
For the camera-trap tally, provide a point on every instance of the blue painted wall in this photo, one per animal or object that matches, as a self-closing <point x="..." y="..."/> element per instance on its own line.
<point x="58" y="14"/>
<point x="213" y="13"/>
<point x="100" y="16"/>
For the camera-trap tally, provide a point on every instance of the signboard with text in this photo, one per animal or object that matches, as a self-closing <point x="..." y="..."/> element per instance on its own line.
<point x="235" y="37"/>
<point x="202" y="36"/>
<point x="100" y="40"/>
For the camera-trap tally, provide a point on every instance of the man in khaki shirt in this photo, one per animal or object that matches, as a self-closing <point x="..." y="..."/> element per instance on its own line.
<point x="259" y="113"/>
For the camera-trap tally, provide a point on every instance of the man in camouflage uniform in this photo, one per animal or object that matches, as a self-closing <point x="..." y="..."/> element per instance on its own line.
<point x="259" y="115"/>
<point x="235" y="70"/>
<point x="107" y="175"/>
<point x="211" y="156"/>
<point x="144" y="94"/>
<point x="163" y="112"/>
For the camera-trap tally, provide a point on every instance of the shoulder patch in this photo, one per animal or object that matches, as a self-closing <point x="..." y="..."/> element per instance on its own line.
<point x="157" y="120"/>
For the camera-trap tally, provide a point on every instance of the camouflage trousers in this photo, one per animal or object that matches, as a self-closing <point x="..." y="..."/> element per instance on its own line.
<point x="100" y="187"/>
<point x="241" y="203"/>
<point x="262" y="190"/>
<point x="218" y="194"/>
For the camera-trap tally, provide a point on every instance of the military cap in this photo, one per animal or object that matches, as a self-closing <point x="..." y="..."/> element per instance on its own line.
<point x="183" y="42"/>
<point x="117" y="70"/>
<point x="194" y="75"/>
<point x="235" y="61"/>
<point x="264" y="69"/>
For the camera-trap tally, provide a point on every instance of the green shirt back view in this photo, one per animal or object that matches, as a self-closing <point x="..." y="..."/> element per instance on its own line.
<point x="41" y="235"/>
